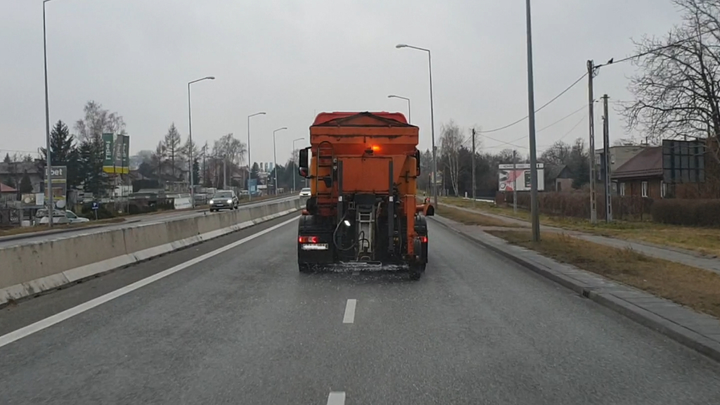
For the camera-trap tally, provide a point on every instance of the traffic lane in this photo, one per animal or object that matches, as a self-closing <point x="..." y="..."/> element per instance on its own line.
<point x="243" y="326"/>
<point x="131" y="221"/>
<point x="28" y="311"/>
<point x="480" y="329"/>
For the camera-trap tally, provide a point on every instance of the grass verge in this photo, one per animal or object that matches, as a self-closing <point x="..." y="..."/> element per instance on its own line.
<point x="469" y="218"/>
<point x="705" y="241"/>
<point x="685" y="285"/>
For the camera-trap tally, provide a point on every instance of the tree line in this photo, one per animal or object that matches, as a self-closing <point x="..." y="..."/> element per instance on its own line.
<point x="455" y="155"/>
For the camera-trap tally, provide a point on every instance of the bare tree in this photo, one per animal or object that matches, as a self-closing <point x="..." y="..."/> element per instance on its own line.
<point x="158" y="158"/>
<point x="172" y="146"/>
<point x="451" y="140"/>
<point x="98" y="120"/>
<point x="678" y="91"/>
<point x="558" y="154"/>
<point x="230" y="148"/>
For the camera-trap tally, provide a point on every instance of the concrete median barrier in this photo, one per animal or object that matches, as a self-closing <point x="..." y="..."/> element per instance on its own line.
<point x="30" y="269"/>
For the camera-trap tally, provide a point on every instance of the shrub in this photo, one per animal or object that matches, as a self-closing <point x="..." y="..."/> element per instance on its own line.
<point x="577" y="205"/>
<point x="105" y="211"/>
<point x="687" y="212"/>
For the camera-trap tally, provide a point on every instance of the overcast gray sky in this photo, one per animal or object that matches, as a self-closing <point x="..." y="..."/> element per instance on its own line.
<point x="294" y="59"/>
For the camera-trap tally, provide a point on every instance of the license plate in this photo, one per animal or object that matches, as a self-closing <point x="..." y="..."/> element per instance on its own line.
<point x="315" y="246"/>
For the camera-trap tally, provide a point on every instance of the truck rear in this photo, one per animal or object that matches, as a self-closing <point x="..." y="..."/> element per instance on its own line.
<point x="362" y="212"/>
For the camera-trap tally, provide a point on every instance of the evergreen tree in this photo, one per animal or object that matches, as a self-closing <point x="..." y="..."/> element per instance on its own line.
<point x="63" y="153"/>
<point x="91" y="165"/>
<point x="196" y="170"/>
<point x="25" y="184"/>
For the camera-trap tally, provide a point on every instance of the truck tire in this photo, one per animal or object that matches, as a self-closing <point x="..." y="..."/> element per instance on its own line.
<point x="416" y="272"/>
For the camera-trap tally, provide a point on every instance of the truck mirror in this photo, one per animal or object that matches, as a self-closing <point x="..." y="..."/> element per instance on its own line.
<point x="303" y="158"/>
<point x="303" y="162"/>
<point x="417" y="161"/>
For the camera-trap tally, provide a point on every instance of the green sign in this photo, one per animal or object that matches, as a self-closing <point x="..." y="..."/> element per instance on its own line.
<point x="117" y="154"/>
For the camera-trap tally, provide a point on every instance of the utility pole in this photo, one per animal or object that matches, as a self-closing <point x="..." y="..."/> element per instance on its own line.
<point x="531" y="123"/>
<point x="225" y="173"/>
<point x="473" y="166"/>
<point x="204" y="173"/>
<point x="514" y="181"/>
<point x="606" y="150"/>
<point x="591" y="102"/>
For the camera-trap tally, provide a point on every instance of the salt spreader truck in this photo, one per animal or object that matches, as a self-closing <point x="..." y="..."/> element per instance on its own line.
<point x="362" y="168"/>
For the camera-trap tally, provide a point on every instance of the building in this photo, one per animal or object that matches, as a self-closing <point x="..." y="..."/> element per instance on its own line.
<point x="13" y="172"/>
<point x="619" y="155"/>
<point x="557" y="178"/>
<point x="641" y="175"/>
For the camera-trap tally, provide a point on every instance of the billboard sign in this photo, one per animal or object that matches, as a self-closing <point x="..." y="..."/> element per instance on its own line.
<point x="683" y="161"/>
<point x="58" y="184"/>
<point x="509" y="178"/>
<point x="117" y="153"/>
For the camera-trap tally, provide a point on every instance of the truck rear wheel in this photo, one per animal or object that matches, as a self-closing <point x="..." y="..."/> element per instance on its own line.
<point x="416" y="271"/>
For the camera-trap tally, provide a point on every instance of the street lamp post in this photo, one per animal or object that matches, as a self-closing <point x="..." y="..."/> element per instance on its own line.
<point x="275" y="158"/>
<point x="293" y="151"/>
<point x="47" y="128"/>
<point x="432" y="121"/>
<point x="408" y="102"/>
<point x="248" y="150"/>
<point x="192" y="146"/>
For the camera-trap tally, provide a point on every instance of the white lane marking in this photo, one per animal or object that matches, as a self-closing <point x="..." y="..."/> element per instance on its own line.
<point x="336" y="398"/>
<point x="350" y="311"/>
<point x="69" y="313"/>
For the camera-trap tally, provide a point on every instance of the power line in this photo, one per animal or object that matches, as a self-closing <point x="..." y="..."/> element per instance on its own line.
<point x="539" y="109"/>
<point x="563" y="119"/>
<point x="571" y="129"/>
<point x="505" y="143"/>
<point x="554" y="123"/>
<point x="660" y="48"/>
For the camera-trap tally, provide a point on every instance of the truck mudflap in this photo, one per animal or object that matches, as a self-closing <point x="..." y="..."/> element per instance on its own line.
<point x="314" y="245"/>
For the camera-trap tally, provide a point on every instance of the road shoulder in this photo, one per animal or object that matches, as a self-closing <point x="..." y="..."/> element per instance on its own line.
<point x="698" y="331"/>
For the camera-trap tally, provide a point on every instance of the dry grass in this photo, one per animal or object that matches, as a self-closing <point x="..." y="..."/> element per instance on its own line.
<point x="690" y="286"/>
<point x="469" y="218"/>
<point x="705" y="241"/>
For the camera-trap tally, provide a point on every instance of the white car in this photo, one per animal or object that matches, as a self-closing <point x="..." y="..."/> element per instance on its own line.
<point x="305" y="192"/>
<point x="59" y="217"/>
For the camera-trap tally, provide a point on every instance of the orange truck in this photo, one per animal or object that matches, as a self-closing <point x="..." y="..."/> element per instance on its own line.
<point x="362" y="169"/>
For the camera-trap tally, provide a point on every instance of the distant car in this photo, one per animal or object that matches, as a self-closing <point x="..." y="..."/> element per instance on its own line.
<point x="305" y="192"/>
<point x="59" y="217"/>
<point x="223" y="199"/>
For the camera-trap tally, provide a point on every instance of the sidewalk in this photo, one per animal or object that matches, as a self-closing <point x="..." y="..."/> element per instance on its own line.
<point x="660" y="252"/>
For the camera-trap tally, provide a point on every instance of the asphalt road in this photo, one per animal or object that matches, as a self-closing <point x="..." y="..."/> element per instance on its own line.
<point x="145" y="219"/>
<point x="243" y="326"/>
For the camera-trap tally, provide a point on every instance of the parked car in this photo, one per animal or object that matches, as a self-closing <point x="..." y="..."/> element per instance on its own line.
<point x="59" y="217"/>
<point x="305" y="192"/>
<point x="224" y="199"/>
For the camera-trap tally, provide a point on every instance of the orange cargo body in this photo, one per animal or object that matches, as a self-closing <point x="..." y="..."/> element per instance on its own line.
<point x="368" y="159"/>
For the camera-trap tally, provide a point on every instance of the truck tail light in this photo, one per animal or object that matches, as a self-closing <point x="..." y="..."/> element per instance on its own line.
<point x="424" y="239"/>
<point x="308" y="239"/>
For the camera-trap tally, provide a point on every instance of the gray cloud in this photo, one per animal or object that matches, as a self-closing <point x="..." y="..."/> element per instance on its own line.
<point x="296" y="58"/>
